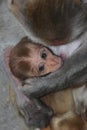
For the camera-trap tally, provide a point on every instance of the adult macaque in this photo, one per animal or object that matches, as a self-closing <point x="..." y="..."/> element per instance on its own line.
<point x="61" y="25"/>
<point x="29" y="60"/>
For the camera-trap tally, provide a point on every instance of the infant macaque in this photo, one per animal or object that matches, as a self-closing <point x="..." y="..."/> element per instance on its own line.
<point x="29" y="60"/>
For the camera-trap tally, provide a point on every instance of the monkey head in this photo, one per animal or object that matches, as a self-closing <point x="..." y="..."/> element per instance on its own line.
<point x="28" y="59"/>
<point x="49" y="21"/>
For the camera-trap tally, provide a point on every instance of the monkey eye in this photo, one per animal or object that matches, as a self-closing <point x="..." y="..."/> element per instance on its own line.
<point x="43" y="54"/>
<point x="41" y="67"/>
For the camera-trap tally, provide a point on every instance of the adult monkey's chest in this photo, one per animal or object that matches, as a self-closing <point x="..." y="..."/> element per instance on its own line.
<point x="67" y="49"/>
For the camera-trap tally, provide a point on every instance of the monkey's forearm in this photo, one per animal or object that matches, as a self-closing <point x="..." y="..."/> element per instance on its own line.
<point x="73" y="73"/>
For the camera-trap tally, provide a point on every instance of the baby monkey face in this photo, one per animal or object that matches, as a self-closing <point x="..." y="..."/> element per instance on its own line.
<point x="28" y="60"/>
<point x="43" y="61"/>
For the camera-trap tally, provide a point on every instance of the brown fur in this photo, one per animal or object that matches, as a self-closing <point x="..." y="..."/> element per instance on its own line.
<point x="68" y="121"/>
<point x="29" y="10"/>
<point x="61" y="102"/>
<point x="64" y="112"/>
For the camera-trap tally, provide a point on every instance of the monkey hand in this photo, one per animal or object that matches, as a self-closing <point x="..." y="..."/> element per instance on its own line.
<point x="35" y="112"/>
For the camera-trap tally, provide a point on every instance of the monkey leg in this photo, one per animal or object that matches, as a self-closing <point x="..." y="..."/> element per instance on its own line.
<point x="68" y="121"/>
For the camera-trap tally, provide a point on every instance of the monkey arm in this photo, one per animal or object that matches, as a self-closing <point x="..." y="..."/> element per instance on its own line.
<point x="73" y="73"/>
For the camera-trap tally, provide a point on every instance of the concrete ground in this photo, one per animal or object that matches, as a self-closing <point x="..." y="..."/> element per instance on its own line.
<point x="10" y="33"/>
